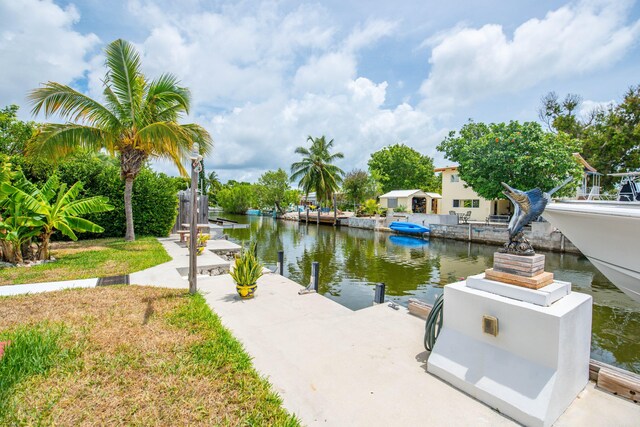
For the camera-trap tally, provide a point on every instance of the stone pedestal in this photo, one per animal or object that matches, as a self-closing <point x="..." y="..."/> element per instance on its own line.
<point x="537" y="362"/>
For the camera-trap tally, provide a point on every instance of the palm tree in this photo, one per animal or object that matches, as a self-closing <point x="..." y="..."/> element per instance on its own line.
<point x="137" y="121"/>
<point x="315" y="172"/>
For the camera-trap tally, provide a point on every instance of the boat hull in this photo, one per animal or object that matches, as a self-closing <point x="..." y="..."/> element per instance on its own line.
<point x="408" y="228"/>
<point x="606" y="233"/>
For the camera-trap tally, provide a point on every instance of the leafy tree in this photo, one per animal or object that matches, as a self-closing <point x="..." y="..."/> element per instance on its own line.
<point x="612" y="142"/>
<point x="236" y="198"/>
<point x="399" y="167"/>
<point x="138" y="121"/>
<point x="315" y="172"/>
<point x="14" y="133"/>
<point x="522" y="155"/>
<point x="358" y="185"/>
<point x="562" y="116"/>
<point x="272" y="189"/>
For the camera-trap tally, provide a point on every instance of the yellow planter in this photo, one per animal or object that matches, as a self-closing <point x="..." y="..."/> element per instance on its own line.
<point x="246" y="291"/>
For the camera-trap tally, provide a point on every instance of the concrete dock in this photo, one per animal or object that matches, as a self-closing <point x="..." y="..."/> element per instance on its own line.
<point x="335" y="367"/>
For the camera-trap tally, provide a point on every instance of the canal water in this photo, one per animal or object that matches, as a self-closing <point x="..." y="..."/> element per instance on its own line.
<point x="352" y="261"/>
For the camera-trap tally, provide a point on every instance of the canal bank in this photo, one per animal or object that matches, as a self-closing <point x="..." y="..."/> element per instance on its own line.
<point x="542" y="234"/>
<point x="353" y="260"/>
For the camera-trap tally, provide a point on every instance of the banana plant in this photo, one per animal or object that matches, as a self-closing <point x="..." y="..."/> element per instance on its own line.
<point x="55" y="207"/>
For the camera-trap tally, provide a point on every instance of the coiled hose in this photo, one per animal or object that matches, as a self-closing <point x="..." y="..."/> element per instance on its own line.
<point x="434" y="323"/>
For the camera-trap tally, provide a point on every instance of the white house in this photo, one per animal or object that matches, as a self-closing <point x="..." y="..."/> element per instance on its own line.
<point x="415" y="201"/>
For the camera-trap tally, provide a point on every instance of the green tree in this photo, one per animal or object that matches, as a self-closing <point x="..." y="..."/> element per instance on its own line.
<point x="138" y="121"/>
<point x="236" y="198"/>
<point x="316" y="171"/>
<point x="612" y="142"/>
<point x="14" y="133"/>
<point x="358" y="185"/>
<point x="562" y="116"/>
<point x="522" y="155"/>
<point x="399" y="167"/>
<point x="272" y="189"/>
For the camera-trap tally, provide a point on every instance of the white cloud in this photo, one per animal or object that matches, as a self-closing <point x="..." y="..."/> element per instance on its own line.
<point x="38" y="44"/>
<point x="469" y="64"/>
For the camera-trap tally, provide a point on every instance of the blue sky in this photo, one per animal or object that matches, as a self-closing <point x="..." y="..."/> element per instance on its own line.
<point x="264" y="75"/>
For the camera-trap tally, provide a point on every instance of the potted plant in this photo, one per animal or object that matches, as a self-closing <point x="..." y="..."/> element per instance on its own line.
<point x="246" y="271"/>
<point x="201" y="243"/>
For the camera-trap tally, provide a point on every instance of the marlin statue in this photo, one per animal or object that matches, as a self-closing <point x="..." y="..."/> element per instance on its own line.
<point x="529" y="205"/>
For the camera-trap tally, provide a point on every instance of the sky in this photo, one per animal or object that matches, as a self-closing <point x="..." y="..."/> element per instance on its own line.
<point x="265" y="75"/>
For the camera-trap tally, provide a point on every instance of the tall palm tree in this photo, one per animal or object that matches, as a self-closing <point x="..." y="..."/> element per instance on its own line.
<point x="137" y="121"/>
<point x="315" y="172"/>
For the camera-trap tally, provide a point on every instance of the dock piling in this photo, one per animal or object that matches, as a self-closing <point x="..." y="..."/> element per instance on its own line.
<point x="379" y="295"/>
<point x="315" y="275"/>
<point x="280" y="266"/>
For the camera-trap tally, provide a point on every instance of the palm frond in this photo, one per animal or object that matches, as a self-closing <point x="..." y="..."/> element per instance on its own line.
<point x="70" y="104"/>
<point x="59" y="140"/>
<point x="125" y="76"/>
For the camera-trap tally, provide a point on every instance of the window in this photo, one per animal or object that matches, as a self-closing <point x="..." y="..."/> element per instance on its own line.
<point x="456" y="203"/>
<point x="392" y="202"/>
<point x="476" y="203"/>
<point x="455" y="178"/>
<point x="467" y="203"/>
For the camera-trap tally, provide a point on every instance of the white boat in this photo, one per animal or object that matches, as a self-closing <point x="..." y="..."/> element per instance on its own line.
<point x="608" y="233"/>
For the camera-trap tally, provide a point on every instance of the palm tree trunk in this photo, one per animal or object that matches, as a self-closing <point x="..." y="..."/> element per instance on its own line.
<point x="43" y="250"/>
<point x="128" y="209"/>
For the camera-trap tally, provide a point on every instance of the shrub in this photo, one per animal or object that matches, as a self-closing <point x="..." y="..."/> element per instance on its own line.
<point x="155" y="198"/>
<point x="236" y="198"/>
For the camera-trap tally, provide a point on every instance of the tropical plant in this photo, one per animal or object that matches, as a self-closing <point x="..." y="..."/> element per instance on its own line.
<point x="138" y="121"/>
<point x="49" y="214"/>
<point x="400" y="209"/>
<point x="315" y="172"/>
<point x="246" y="268"/>
<point x="371" y="207"/>
<point x="202" y="242"/>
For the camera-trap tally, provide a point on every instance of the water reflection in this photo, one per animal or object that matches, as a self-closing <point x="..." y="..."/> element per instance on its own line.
<point x="352" y="261"/>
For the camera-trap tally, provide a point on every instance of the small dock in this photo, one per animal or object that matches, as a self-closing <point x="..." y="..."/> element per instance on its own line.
<point x="227" y="223"/>
<point x="335" y="367"/>
<point x="319" y="217"/>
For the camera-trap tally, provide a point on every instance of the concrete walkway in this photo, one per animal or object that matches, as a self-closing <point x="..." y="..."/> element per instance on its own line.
<point x="335" y="367"/>
<point x="166" y="275"/>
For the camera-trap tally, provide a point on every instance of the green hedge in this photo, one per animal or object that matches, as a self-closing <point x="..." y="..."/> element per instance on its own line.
<point x="155" y="199"/>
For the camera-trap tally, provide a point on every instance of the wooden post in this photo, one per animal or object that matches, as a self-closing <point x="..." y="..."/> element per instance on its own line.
<point x="193" y="233"/>
<point x="335" y="210"/>
<point x="318" y="217"/>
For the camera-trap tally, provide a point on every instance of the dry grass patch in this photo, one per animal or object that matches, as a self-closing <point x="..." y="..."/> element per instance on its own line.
<point x="135" y="356"/>
<point x="90" y="258"/>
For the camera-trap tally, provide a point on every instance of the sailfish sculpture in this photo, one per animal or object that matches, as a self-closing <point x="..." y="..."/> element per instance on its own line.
<point x="529" y="205"/>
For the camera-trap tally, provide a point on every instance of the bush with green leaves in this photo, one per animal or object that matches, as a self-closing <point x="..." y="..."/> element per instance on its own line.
<point x="236" y="197"/>
<point x="155" y="199"/>
<point x="400" y="209"/>
<point x="370" y="207"/>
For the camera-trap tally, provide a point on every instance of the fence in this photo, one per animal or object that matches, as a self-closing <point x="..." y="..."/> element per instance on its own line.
<point x="184" y="210"/>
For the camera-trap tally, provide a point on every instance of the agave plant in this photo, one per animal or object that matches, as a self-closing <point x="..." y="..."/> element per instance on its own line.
<point x="247" y="269"/>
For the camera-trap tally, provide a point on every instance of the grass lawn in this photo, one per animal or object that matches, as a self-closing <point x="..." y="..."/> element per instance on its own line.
<point x="126" y="355"/>
<point x="85" y="259"/>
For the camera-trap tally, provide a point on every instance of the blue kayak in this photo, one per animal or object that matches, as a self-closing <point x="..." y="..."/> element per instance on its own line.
<point x="408" y="228"/>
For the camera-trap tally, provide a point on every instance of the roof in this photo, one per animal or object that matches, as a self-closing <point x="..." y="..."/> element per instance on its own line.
<point x="446" y="168"/>
<point x="434" y="195"/>
<point x="403" y="193"/>
<point x="583" y="162"/>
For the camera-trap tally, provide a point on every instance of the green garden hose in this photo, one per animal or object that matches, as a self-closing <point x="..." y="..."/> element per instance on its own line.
<point x="434" y="323"/>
